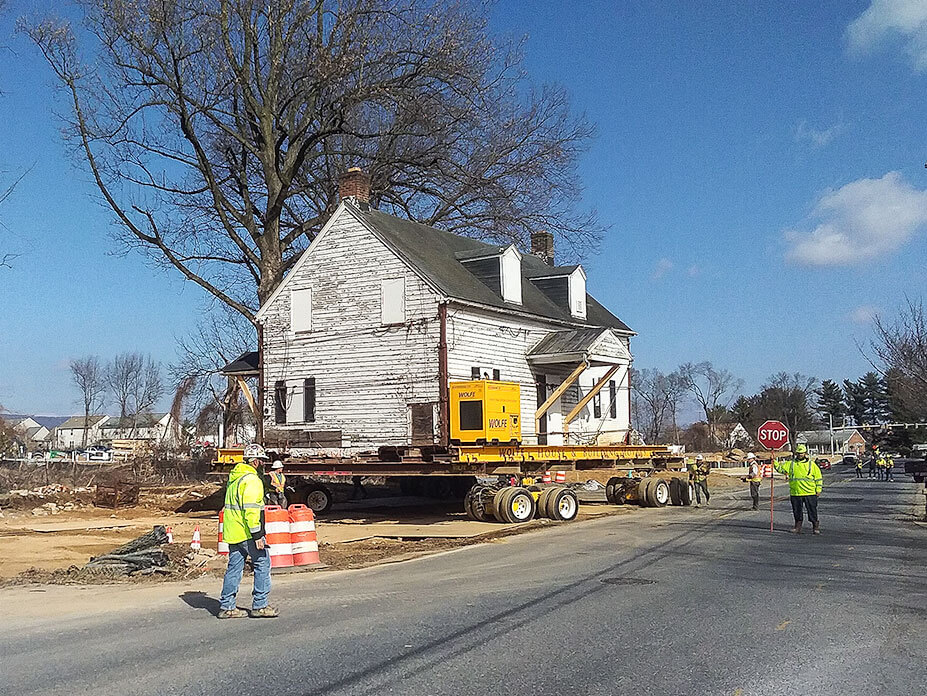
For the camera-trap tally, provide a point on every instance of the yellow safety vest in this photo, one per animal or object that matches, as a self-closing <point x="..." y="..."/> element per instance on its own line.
<point x="804" y="476"/>
<point x="699" y="473"/>
<point x="244" y="505"/>
<point x="278" y="481"/>
<point x="753" y="475"/>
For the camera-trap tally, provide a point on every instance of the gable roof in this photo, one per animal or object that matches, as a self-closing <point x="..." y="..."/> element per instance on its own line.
<point x="822" y="437"/>
<point x="145" y="420"/>
<point x="436" y="256"/>
<point x="50" y="422"/>
<point x="77" y="422"/>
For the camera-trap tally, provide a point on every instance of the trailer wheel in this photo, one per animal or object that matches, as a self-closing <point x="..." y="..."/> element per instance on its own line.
<point x="563" y="505"/>
<point x="318" y="498"/>
<point x="543" y="502"/>
<point x="612" y="490"/>
<point x="658" y="493"/>
<point x="521" y="506"/>
<point x="500" y="504"/>
<point x="687" y="491"/>
<point x="675" y="487"/>
<point x="643" y="499"/>
<point x="475" y="503"/>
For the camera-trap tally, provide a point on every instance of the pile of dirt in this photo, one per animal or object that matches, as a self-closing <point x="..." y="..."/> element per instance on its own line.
<point x="202" y="497"/>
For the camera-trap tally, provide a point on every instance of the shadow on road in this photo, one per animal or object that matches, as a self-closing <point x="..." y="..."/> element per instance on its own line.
<point x="200" y="600"/>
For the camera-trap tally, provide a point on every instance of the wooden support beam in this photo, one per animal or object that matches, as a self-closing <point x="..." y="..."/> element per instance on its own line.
<point x="586" y="399"/>
<point x="558" y="392"/>
<point x="243" y="385"/>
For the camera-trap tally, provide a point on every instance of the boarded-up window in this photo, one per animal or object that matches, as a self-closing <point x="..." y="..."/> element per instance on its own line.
<point x="309" y="400"/>
<point x="393" y="301"/>
<point x="280" y="401"/>
<point x="613" y="396"/>
<point x="423" y="424"/>
<point x="301" y="310"/>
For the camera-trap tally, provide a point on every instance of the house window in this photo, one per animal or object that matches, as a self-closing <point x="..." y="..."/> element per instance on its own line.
<point x="613" y="396"/>
<point x="309" y="400"/>
<point x="496" y="375"/>
<point x="475" y="372"/>
<point x="301" y="310"/>
<point x="393" y="301"/>
<point x="597" y="405"/>
<point x="279" y="401"/>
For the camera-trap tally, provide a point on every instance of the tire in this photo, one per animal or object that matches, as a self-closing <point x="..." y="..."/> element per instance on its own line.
<point x="563" y="505"/>
<point x="613" y="490"/>
<point x="318" y="498"/>
<point x="475" y="503"/>
<point x="643" y="498"/>
<point x="520" y="506"/>
<point x="468" y="505"/>
<point x="500" y="504"/>
<point x="686" y="492"/>
<point x="675" y="492"/>
<point x="658" y="493"/>
<point x="543" y="501"/>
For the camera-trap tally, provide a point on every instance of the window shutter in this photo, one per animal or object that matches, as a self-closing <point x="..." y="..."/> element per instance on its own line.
<point x="280" y="401"/>
<point x="393" y="301"/>
<point x="597" y="405"/>
<point x="309" y="400"/>
<point x="613" y="395"/>
<point x="496" y="375"/>
<point x="475" y="373"/>
<point x="301" y="310"/>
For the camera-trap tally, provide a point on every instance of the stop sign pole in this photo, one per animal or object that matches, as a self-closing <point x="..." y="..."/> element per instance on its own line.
<point x="773" y="435"/>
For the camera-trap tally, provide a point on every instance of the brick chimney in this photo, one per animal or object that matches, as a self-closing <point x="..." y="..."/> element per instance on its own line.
<point x="542" y="245"/>
<point x="355" y="184"/>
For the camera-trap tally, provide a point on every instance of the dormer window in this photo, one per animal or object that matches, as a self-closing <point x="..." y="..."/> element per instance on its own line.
<point x="565" y="286"/>
<point x="497" y="267"/>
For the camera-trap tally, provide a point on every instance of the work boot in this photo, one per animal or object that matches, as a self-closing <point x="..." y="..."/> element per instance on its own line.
<point x="816" y="530"/>
<point x="796" y="529"/>
<point x="232" y="614"/>
<point x="755" y="508"/>
<point x="265" y="613"/>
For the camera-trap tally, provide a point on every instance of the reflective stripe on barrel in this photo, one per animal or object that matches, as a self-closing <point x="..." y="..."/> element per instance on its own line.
<point x="302" y="531"/>
<point x="279" y="541"/>
<point x="222" y="547"/>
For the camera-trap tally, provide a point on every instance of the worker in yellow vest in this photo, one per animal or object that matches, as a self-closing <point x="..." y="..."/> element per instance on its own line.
<point x="859" y="467"/>
<point x="277" y="493"/>
<point x="881" y="466"/>
<point x="243" y="530"/>
<point x="698" y="475"/>
<point x="754" y="479"/>
<point x="889" y="465"/>
<point x="805" y="485"/>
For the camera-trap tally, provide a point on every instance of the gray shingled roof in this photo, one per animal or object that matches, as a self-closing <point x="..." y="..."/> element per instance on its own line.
<point x="436" y="253"/>
<point x="245" y="364"/>
<point x="75" y="422"/>
<point x="822" y="437"/>
<point x="570" y="341"/>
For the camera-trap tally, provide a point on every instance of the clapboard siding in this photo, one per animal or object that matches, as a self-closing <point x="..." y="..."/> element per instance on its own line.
<point x="491" y="340"/>
<point x="366" y="374"/>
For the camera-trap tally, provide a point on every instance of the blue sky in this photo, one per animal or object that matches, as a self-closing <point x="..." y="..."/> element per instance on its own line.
<point x="761" y="166"/>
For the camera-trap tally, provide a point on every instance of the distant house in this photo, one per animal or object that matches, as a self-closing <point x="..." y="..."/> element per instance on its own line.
<point x="732" y="435"/>
<point x="70" y="433"/>
<point x="157" y="427"/>
<point x="845" y="441"/>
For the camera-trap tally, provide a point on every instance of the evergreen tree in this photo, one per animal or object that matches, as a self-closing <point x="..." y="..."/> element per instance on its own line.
<point x="830" y="403"/>
<point x="867" y="399"/>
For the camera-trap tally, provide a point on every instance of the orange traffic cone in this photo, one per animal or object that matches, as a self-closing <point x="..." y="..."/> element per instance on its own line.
<point x="195" y="544"/>
<point x="170" y="535"/>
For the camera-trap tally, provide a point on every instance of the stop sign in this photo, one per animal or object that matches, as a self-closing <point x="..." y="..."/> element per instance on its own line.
<point x="772" y="435"/>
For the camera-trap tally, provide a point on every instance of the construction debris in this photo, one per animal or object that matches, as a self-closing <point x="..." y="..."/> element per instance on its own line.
<point x="143" y="554"/>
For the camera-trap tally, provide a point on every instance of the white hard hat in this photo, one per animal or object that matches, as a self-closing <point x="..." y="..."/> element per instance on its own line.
<point x="255" y="451"/>
<point x="750" y="455"/>
<point x="699" y="457"/>
<point x="277" y="465"/>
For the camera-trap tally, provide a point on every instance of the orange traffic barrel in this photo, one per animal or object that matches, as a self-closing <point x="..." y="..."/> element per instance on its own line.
<point x="279" y="542"/>
<point x="302" y="531"/>
<point x="222" y="548"/>
<point x="560" y="477"/>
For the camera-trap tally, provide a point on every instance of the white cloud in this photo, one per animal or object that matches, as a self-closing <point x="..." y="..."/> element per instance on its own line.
<point x="815" y="137"/>
<point x="663" y="267"/>
<point x="902" y="19"/>
<point x="863" y="314"/>
<point x="863" y="220"/>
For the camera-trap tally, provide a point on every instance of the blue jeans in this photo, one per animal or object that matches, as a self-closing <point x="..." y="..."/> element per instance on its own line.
<point x="261" y="560"/>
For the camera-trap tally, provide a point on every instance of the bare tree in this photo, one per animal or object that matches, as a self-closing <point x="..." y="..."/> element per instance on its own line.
<point x="900" y="350"/>
<point x="136" y="384"/>
<point x="89" y="377"/>
<point x="215" y="129"/>
<point x="712" y="389"/>
<point x="650" y="402"/>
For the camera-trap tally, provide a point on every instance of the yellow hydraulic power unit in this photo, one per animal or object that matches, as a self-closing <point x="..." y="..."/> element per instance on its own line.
<point x="485" y="411"/>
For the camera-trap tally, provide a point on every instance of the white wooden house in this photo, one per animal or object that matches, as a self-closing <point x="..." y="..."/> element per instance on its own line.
<point x="380" y="313"/>
<point x="70" y="434"/>
<point x="156" y="427"/>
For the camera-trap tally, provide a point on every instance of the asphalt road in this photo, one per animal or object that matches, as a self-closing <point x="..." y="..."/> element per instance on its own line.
<point x="673" y="601"/>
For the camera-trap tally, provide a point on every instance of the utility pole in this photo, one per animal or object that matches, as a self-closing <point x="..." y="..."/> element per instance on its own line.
<point x="830" y="417"/>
